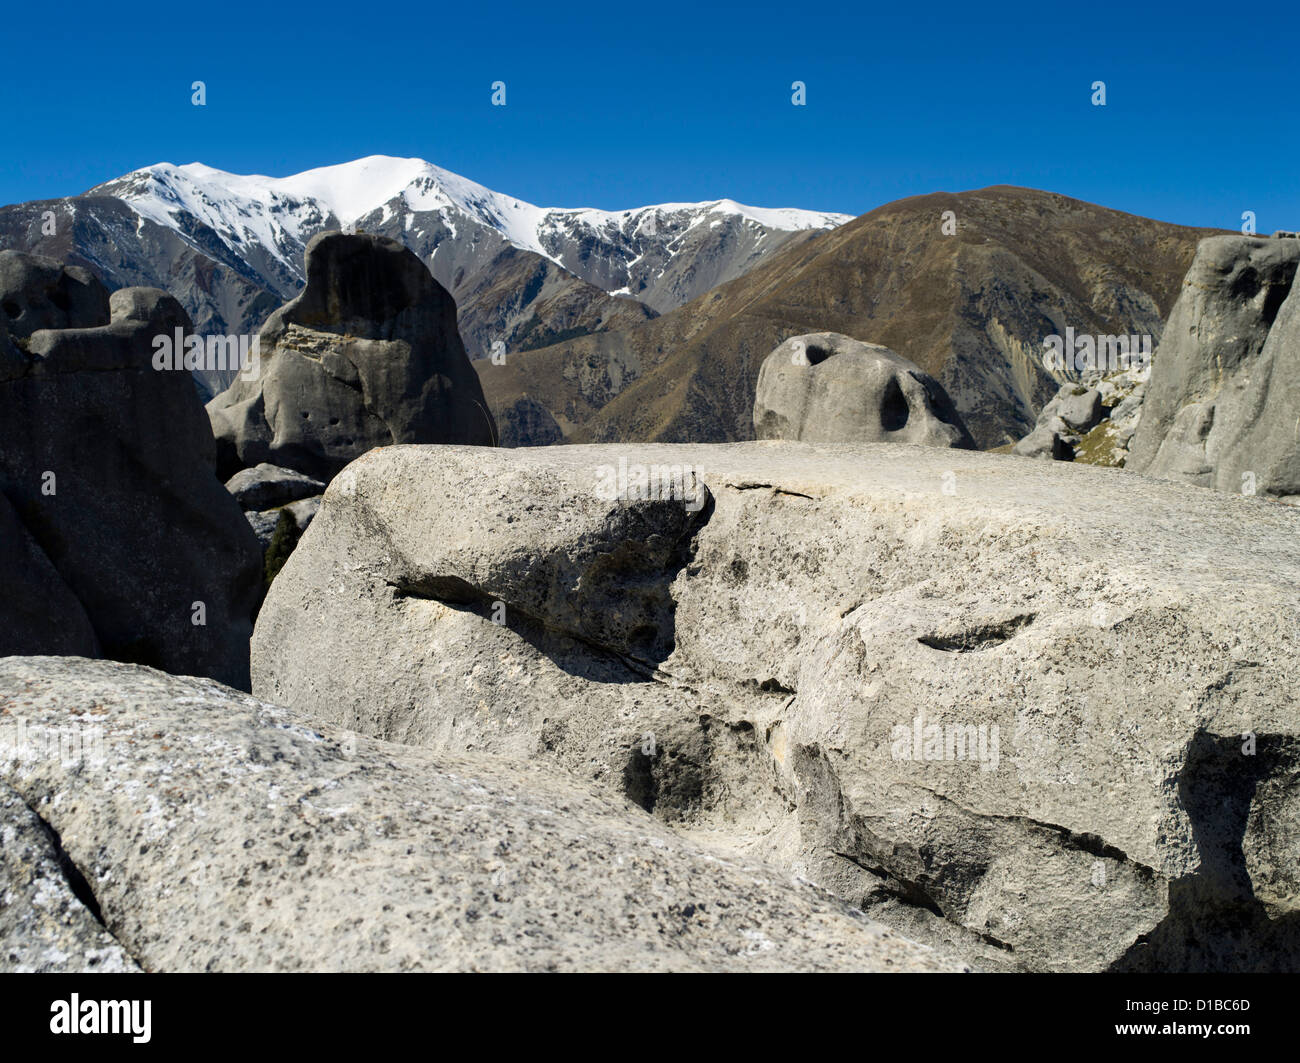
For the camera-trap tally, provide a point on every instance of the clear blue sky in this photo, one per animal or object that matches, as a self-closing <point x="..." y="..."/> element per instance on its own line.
<point x="615" y="105"/>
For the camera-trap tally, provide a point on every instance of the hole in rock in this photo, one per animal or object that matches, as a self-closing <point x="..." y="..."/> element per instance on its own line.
<point x="893" y="407"/>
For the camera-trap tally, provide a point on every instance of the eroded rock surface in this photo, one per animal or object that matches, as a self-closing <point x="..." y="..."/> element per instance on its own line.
<point x="1043" y="711"/>
<point x="215" y="832"/>
<point x="1220" y="409"/>
<point x="118" y="539"/>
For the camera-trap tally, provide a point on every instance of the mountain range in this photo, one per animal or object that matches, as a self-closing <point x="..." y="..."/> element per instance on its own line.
<point x="230" y="247"/>
<point x="970" y="302"/>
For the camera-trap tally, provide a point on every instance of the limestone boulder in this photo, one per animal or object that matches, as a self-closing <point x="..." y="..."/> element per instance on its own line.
<point x="1039" y="713"/>
<point x="1070" y="415"/>
<point x="367" y="355"/>
<point x="44" y="925"/>
<point x="828" y="388"/>
<point x="212" y="831"/>
<point x="1220" y="409"/>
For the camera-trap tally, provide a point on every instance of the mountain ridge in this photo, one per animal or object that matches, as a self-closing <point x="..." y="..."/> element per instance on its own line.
<point x="230" y="246"/>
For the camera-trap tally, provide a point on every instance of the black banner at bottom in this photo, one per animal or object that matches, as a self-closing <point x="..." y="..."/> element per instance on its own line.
<point x="339" y="1011"/>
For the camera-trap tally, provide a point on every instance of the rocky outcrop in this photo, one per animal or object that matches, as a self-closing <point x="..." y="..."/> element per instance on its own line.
<point x="266" y="486"/>
<point x="1042" y="712"/>
<point x="366" y="356"/>
<point x="118" y="538"/>
<point x="208" y="831"/>
<point x="1073" y="413"/>
<point x="1221" y="406"/>
<point x="826" y="388"/>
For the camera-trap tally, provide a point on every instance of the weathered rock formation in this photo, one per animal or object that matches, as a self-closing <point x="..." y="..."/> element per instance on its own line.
<point x="192" y="828"/>
<point x="1042" y="712"/>
<point x="826" y="388"/>
<point x="118" y="538"/>
<point x="39" y="293"/>
<point x="367" y="355"/>
<point x="1221" y="407"/>
<point x="44" y="925"/>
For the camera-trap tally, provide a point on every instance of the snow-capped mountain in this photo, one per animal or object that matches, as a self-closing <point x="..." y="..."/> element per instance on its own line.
<point x="640" y="252"/>
<point x="230" y="246"/>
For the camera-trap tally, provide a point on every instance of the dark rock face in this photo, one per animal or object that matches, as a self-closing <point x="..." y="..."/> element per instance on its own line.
<point x="828" y="388"/>
<point x="119" y="538"/>
<point x="366" y="356"/>
<point x="527" y="423"/>
<point x="1220" y="410"/>
<point x="39" y="293"/>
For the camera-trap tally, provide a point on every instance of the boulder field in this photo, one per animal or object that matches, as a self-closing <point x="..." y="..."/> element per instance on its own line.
<point x="1039" y="714"/>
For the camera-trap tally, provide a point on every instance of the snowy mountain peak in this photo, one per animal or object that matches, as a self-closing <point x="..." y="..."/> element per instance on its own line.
<point x="271" y="211"/>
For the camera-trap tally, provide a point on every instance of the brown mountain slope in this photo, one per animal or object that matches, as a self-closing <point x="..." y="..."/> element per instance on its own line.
<point x="971" y="309"/>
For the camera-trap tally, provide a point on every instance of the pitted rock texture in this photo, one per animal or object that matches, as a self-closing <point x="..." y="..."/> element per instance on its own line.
<point x="118" y="539"/>
<point x="999" y="703"/>
<point x="828" y="388"/>
<point x="1220" y="409"/>
<point x="367" y="355"/>
<point x="44" y="925"/>
<point x="215" y="832"/>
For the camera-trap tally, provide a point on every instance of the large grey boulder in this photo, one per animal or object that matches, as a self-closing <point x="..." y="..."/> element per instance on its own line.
<point x="215" y="832"/>
<point x="828" y="388"/>
<point x="367" y="354"/>
<point x="39" y="293"/>
<point x="118" y="537"/>
<point x="934" y="681"/>
<point x="1220" y="409"/>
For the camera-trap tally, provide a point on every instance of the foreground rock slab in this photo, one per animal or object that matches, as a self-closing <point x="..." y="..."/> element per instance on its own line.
<point x="44" y="926"/>
<point x="215" y="832"/>
<point x="1041" y="710"/>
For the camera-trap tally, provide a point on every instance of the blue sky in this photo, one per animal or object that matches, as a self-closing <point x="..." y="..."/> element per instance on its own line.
<point x="621" y="105"/>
